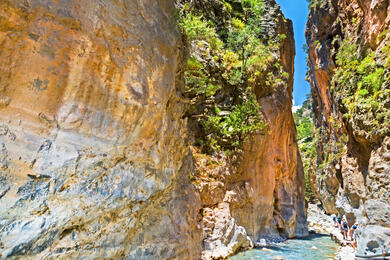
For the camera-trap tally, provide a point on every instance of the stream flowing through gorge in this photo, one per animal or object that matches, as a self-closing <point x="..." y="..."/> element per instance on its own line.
<point x="185" y="129"/>
<point x="314" y="247"/>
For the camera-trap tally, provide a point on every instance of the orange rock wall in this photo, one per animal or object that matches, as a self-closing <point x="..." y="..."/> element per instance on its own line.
<point x="94" y="155"/>
<point x="272" y="174"/>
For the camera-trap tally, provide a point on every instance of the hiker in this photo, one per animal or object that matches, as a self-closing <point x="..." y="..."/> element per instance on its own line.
<point x="352" y="234"/>
<point x="339" y="222"/>
<point x="344" y="228"/>
<point x="335" y="223"/>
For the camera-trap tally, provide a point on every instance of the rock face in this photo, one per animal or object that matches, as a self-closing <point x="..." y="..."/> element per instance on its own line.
<point x="259" y="194"/>
<point x="95" y="157"/>
<point x="349" y="76"/>
<point x="271" y="175"/>
<point x="93" y="153"/>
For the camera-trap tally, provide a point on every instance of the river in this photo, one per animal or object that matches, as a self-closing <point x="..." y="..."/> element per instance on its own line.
<point x="295" y="249"/>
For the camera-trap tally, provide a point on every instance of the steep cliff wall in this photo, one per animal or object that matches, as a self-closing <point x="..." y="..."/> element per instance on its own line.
<point x="255" y="190"/>
<point x="349" y="75"/>
<point x="93" y="152"/>
<point x="98" y="142"/>
<point x="271" y="170"/>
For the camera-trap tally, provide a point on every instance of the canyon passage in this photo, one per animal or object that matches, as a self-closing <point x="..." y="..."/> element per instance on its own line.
<point x="162" y="129"/>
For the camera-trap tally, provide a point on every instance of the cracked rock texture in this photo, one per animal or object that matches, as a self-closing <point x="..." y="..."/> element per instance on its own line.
<point x="353" y="138"/>
<point x="93" y="156"/>
<point x="260" y="194"/>
<point x="271" y="173"/>
<point x="94" y="150"/>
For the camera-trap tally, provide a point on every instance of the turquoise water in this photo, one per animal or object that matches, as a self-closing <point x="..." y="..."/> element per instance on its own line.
<point x="295" y="249"/>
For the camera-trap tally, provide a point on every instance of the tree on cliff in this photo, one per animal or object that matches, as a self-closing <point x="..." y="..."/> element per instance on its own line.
<point x="303" y="118"/>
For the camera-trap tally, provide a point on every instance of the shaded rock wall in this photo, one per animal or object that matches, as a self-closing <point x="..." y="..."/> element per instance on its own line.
<point x="349" y="76"/>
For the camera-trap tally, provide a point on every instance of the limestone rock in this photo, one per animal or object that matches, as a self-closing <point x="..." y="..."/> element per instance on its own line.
<point x="260" y="190"/>
<point x="224" y="237"/>
<point x="264" y="187"/>
<point x="352" y="175"/>
<point x="271" y="173"/>
<point x="93" y="154"/>
<point x="95" y="157"/>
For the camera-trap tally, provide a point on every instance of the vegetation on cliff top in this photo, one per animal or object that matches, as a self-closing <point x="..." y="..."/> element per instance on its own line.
<point x="315" y="3"/>
<point x="361" y="86"/>
<point x="361" y="90"/>
<point x="228" y="64"/>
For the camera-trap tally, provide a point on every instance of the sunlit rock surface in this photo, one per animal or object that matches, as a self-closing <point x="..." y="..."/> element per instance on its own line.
<point x="93" y="160"/>
<point x="262" y="191"/>
<point x="271" y="174"/>
<point x="94" y="156"/>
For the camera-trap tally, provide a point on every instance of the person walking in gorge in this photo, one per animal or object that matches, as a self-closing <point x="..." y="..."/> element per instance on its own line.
<point x="344" y="228"/>
<point x="339" y="222"/>
<point x="335" y="222"/>
<point x="352" y="235"/>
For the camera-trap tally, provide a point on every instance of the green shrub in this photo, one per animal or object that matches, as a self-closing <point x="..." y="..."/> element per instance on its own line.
<point x="227" y="6"/>
<point x="242" y="62"/>
<point x="232" y="130"/>
<point x="362" y="92"/>
<point x="238" y="24"/>
<point x="197" y="28"/>
<point x="306" y="142"/>
<point x="359" y="83"/>
<point x="374" y="80"/>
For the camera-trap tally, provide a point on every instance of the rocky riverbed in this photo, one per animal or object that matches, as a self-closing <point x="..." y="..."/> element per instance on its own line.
<point x="319" y="222"/>
<point x="313" y="247"/>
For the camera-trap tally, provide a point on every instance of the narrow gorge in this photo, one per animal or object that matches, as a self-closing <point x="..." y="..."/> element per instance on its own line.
<point x="163" y="129"/>
<point x="132" y="129"/>
<point x="349" y="74"/>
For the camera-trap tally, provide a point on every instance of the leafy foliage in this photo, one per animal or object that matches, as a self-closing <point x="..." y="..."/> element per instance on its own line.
<point x="197" y="28"/>
<point x="231" y="130"/>
<point x="303" y="118"/>
<point x="226" y="66"/>
<point x="360" y="86"/>
<point x="314" y="3"/>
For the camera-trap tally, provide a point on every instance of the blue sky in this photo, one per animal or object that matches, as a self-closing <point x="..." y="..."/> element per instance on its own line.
<point x="297" y="11"/>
